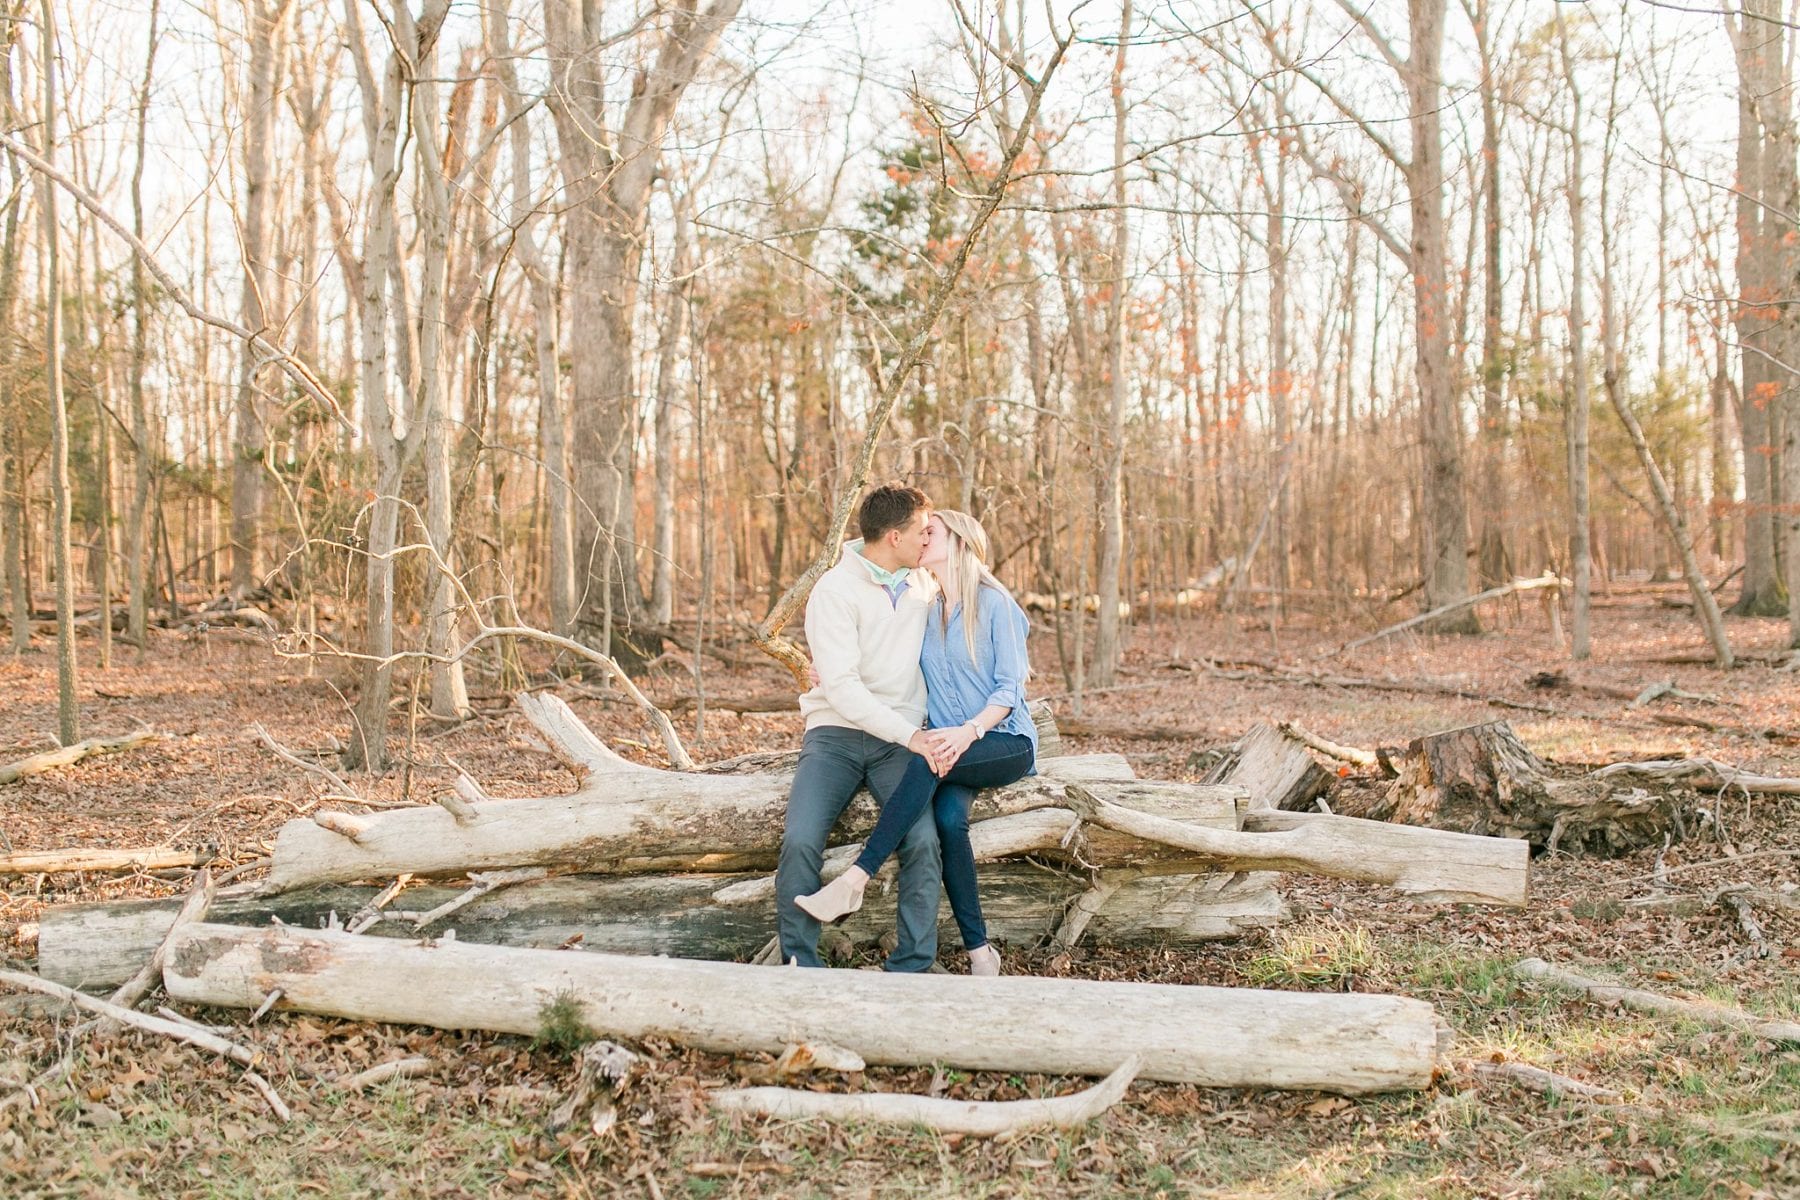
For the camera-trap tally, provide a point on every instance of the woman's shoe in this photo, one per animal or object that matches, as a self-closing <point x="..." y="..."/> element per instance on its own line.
<point x="984" y="960"/>
<point x="837" y="899"/>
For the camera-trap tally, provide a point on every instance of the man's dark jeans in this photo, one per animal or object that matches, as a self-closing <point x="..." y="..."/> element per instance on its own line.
<point x="834" y="762"/>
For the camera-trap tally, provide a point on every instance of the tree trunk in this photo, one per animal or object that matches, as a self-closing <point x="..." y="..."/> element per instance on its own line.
<point x="1482" y="780"/>
<point x="1757" y="39"/>
<point x="1112" y="498"/>
<point x="1576" y="421"/>
<point x="12" y="421"/>
<point x="609" y="174"/>
<point x="143" y="457"/>
<point x="68" y="711"/>
<point x="266" y="41"/>
<point x="1491" y="555"/>
<point x="449" y="693"/>
<point x="674" y="328"/>
<point x="552" y="418"/>
<point x="1446" y="542"/>
<point x="1217" y="1037"/>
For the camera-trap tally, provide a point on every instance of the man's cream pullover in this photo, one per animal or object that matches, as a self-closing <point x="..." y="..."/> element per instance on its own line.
<point x="865" y="647"/>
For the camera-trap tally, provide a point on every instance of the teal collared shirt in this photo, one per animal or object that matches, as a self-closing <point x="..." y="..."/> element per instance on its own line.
<point x="884" y="577"/>
<point x="891" y="582"/>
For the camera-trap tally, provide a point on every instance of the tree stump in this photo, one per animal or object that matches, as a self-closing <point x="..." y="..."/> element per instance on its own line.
<point x="1277" y="770"/>
<point x="1482" y="779"/>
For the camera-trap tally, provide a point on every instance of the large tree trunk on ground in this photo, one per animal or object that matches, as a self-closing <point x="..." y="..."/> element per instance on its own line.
<point x="1215" y="1037"/>
<point x="661" y="818"/>
<point x="1482" y="779"/>
<point x="93" y="945"/>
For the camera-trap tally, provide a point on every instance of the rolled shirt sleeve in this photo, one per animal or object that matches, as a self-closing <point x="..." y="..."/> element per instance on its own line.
<point x="831" y="635"/>
<point x="1006" y="629"/>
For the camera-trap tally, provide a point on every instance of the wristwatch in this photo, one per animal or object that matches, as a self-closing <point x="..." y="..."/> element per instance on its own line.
<point x="975" y="729"/>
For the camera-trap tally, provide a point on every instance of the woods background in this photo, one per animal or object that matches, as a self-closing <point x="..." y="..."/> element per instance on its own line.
<point x="577" y="315"/>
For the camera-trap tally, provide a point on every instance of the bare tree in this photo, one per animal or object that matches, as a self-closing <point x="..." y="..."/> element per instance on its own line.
<point x="12" y="425"/>
<point x="265" y="39"/>
<point x="1444" y="540"/>
<point x="1765" y="258"/>
<point x="607" y="175"/>
<point x="144" y="455"/>
<point x="1576" y="418"/>
<point x="68" y="711"/>
<point x="1112" y="493"/>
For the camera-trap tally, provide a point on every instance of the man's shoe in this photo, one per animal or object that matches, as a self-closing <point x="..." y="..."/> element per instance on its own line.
<point x="984" y="960"/>
<point x="837" y="899"/>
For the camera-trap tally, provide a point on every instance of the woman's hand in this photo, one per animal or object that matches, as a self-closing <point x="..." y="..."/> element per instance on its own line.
<point x="950" y="744"/>
<point x="925" y="744"/>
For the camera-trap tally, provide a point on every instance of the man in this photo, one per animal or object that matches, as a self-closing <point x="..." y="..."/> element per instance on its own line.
<point x="865" y="623"/>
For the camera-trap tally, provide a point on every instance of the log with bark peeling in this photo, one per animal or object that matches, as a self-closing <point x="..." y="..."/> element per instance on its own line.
<point x="97" y="945"/>
<point x="1216" y="1037"/>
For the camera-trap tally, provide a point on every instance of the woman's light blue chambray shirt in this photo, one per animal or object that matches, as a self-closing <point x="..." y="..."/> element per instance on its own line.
<point x="957" y="689"/>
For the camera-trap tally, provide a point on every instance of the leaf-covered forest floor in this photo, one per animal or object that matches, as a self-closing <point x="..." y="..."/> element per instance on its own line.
<point x="1700" y="1112"/>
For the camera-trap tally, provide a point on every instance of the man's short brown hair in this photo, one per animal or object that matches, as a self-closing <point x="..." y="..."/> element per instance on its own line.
<point x="890" y="506"/>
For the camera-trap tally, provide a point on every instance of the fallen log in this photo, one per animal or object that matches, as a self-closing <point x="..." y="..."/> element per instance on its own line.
<point x="63" y="756"/>
<point x="1215" y="1037"/>
<point x="625" y="818"/>
<point x="98" y="945"/>
<point x="1443" y="867"/>
<point x="143" y="858"/>
<point x="1493" y="593"/>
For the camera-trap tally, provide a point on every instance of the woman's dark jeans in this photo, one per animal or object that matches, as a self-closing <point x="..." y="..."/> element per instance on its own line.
<point x="991" y="761"/>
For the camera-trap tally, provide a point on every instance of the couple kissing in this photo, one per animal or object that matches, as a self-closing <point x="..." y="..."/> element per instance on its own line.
<point x="921" y="665"/>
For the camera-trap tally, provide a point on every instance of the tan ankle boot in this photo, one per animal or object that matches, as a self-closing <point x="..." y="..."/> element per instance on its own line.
<point x="837" y="899"/>
<point x="984" y="960"/>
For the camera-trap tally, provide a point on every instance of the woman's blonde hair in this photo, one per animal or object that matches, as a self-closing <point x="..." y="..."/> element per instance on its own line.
<point x="965" y="570"/>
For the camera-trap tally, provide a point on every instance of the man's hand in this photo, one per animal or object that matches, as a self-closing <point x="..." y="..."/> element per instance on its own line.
<point x="950" y="744"/>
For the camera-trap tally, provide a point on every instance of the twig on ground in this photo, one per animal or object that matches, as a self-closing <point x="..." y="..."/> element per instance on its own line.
<point x="1550" y="1081"/>
<point x="483" y="883"/>
<point x="190" y="1035"/>
<point x="370" y="914"/>
<point x="400" y="1068"/>
<point x="976" y="1117"/>
<point x="1704" y="1012"/>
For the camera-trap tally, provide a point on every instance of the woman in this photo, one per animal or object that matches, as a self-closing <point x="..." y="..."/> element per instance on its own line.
<point x="975" y="669"/>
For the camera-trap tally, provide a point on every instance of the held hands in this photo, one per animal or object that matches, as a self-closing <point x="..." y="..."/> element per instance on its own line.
<point x="949" y="745"/>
